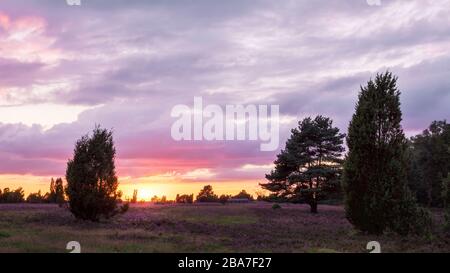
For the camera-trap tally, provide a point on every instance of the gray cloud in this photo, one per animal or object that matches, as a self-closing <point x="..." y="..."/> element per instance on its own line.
<point x="137" y="59"/>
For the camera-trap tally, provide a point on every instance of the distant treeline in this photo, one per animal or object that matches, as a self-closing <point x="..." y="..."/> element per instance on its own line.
<point x="56" y="194"/>
<point x="429" y="154"/>
<point x="12" y="196"/>
<point x="206" y="195"/>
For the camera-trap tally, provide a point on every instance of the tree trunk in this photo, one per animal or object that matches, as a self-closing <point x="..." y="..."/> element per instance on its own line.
<point x="313" y="206"/>
<point x="430" y="193"/>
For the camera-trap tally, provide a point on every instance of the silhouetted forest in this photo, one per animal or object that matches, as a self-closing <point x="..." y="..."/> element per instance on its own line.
<point x="55" y="195"/>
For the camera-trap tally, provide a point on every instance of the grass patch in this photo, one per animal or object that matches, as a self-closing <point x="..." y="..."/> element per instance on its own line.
<point x="323" y="250"/>
<point x="220" y="215"/>
<point x="223" y="220"/>
<point x="232" y="229"/>
<point x="4" y="234"/>
<point x="276" y="206"/>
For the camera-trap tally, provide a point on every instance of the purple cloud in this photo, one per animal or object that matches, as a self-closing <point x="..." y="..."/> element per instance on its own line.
<point x="132" y="61"/>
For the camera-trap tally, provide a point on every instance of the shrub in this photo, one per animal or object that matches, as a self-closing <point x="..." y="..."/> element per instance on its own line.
<point x="408" y="218"/>
<point x="224" y="199"/>
<point x="276" y="206"/>
<point x="124" y="208"/>
<point x="36" y="198"/>
<point x="8" y="196"/>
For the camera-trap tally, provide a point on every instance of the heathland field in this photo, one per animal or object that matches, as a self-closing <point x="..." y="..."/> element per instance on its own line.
<point x="254" y="227"/>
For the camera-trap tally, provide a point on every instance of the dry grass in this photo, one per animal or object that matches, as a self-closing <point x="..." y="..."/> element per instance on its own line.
<point x="201" y="228"/>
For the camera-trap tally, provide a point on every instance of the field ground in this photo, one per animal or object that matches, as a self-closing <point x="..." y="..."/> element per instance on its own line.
<point x="201" y="228"/>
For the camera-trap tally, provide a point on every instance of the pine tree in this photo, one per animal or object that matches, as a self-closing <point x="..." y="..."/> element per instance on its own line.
<point x="91" y="177"/>
<point x="309" y="167"/>
<point x="375" y="172"/>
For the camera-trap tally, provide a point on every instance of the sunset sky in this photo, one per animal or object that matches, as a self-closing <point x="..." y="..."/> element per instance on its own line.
<point x="125" y="64"/>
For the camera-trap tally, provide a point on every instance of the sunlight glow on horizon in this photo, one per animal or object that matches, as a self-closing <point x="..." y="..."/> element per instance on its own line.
<point x="64" y="70"/>
<point x="146" y="190"/>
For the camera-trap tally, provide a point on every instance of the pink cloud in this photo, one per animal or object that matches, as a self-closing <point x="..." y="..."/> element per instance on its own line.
<point x="134" y="61"/>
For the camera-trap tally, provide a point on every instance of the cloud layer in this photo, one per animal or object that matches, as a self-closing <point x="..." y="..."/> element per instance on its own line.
<point x="125" y="64"/>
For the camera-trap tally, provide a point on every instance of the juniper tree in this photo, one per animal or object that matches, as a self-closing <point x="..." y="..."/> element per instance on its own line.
<point x="91" y="177"/>
<point x="375" y="172"/>
<point x="309" y="167"/>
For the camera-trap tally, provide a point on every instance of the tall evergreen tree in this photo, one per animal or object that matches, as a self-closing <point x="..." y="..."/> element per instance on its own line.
<point x="91" y="177"/>
<point x="309" y="167"/>
<point x="375" y="172"/>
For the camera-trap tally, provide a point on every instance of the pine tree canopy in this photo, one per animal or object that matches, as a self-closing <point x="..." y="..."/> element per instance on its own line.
<point x="310" y="165"/>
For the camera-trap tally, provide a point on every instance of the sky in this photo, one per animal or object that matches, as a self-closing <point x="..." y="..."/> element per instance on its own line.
<point x="126" y="64"/>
